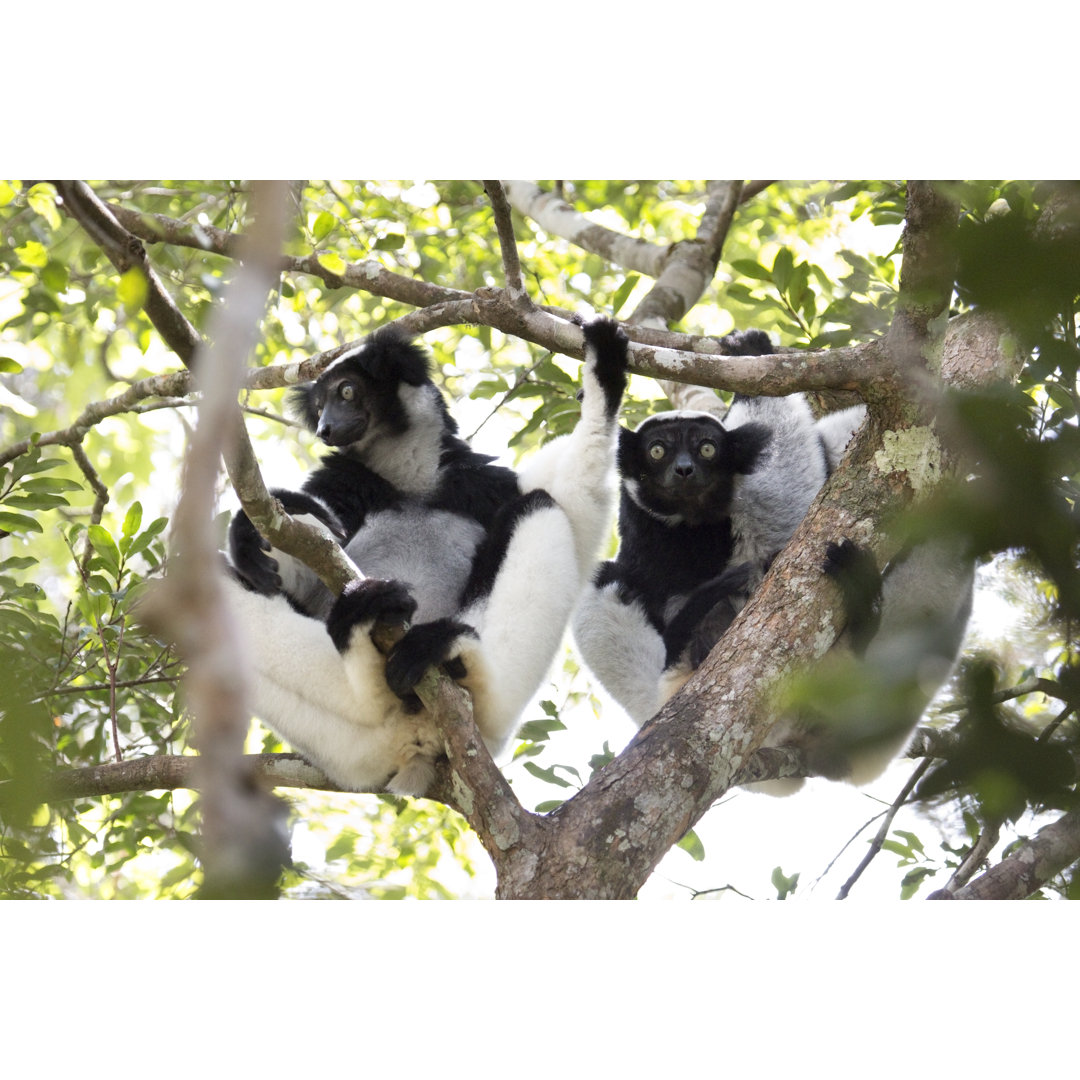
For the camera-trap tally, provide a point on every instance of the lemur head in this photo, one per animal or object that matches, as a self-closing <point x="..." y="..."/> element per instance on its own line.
<point x="381" y="389"/>
<point x="681" y="466"/>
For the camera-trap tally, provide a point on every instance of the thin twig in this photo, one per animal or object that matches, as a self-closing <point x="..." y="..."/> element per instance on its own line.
<point x="883" y="831"/>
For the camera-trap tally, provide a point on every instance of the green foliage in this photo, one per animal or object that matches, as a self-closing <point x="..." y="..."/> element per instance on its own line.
<point x="785" y="886"/>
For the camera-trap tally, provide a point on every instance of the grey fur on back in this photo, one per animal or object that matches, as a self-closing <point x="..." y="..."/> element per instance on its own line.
<point x="770" y="502"/>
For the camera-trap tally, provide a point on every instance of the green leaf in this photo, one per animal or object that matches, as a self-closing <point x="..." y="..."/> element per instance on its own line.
<point x="323" y="225"/>
<point x="132" y="290"/>
<point x="132" y="519"/>
<point x="103" y="543"/>
<point x="547" y="775"/>
<point x="29" y="463"/>
<point x="622" y="294"/>
<point x="783" y="265"/>
<point x="914" y="842"/>
<point x="390" y="242"/>
<point x="36" y="500"/>
<point x="905" y="853"/>
<point x="549" y="371"/>
<point x="55" y="276"/>
<point x="784" y="886"/>
<point x="334" y="263"/>
<point x="18" y="523"/>
<point x="18" y="562"/>
<point x="488" y="388"/>
<point x="16" y="620"/>
<point x="749" y="268"/>
<point x="598" y="761"/>
<point x="547" y="806"/>
<point x="51" y="484"/>
<point x="33" y="254"/>
<point x="913" y="879"/>
<point x="540" y="730"/>
<point x="693" y="846"/>
<point x="9" y="366"/>
<point x="344" y="845"/>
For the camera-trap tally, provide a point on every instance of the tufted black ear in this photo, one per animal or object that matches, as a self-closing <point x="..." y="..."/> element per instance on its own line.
<point x="747" y="343"/>
<point x="744" y="446"/>
<point x="302" y="405"/>
<point x="389" y="355"/>
<point x="628" y="452"/>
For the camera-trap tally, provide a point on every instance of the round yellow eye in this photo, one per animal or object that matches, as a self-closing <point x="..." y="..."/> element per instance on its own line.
<point x="347" y="392"/>
<point x="656" y="451"/>
<point x="707" y="450"/>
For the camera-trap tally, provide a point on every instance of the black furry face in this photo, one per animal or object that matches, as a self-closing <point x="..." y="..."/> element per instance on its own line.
<point x="684" y="466"/>
<point x="362" y="391"/>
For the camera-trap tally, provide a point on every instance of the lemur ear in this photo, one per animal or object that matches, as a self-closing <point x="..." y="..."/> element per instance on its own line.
<point x="744" y="446"/>
<point x="627" y="447"/>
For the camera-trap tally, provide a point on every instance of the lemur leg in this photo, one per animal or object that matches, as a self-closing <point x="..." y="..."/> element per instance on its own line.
<point x="520" y="604"/>
<point x="625" y="650"/>
<point x="301" y="689"/>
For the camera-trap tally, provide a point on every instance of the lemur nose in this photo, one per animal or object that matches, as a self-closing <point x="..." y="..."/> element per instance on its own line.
<point x="684" y="467"/>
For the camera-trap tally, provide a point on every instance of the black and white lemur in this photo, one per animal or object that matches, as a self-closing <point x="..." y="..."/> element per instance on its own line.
<point x="486" y="564"/>
<point x="705" y="507"/>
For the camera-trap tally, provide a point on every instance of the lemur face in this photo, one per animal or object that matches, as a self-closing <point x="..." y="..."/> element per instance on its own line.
<point x="682" y="466"/>
<point x="368" y="391"/>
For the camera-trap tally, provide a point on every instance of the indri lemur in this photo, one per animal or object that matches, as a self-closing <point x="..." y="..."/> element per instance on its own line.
<point x="705" y="507"/>
<point x="486" y="564"/>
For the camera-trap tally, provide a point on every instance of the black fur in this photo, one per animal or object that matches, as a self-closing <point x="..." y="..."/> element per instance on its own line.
<point x="368" y="601"/>
<point x="747" y="343"/>
<point x="674" y="515"/>
<point x="386" y="359"/>
<point x="855" y="571"/>
<point x="423" y="647"/>
<point x="248" y="551"/>
<point x="609" y="340"/>
<point x="707" y="613"/>
<point x="468" y="484"/>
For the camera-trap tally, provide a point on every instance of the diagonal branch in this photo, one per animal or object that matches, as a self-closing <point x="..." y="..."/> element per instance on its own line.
<point x="553" y="215"/>
<point x="685" y="277"/>
<point x="125" y="253"/>
<point x="1053" y="848"/>
<point x="507" y="243"/>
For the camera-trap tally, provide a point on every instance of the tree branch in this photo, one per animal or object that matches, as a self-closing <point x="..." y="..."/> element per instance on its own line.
<point x="926" y="277"/>
<point x="1029" y="867"/>
<point x="369" y="276"/>
<point x="553" y="215"/>
<point x="243" y="848"/>
<point x="125" y="252"/>
<point x="507" y="243"/>
<point x="687" y="272"/>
